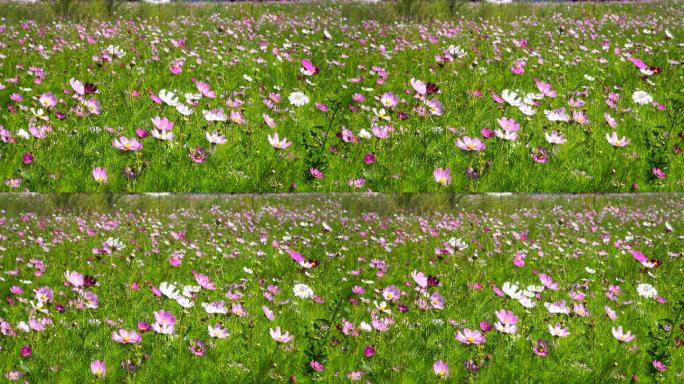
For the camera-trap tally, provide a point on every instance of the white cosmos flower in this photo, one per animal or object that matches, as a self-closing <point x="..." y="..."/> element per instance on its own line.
<point x="647" y="290"/>
<point x="365" y="327"/>
<point x="511" y="289"/>
<point x="189" y="290"/>
<point x="184" y="109"/>
<point x="168" y="97"/>
<point x="557" y="307"/>
<point x="511" y="97"/>
<point x="185" y="302"/>
<point x="23" y="134"/>
<point x="456" y="51"/>
<point x="303" y="291"/>
<point x="527" y="110"/>
<point x="298" y="99"/>
<point x="642" y="98"/>
<point x="527" y="302"/>
<point x="115" y="50"/>
<point x="169" y="290"/>
<point x="215" y="307"/>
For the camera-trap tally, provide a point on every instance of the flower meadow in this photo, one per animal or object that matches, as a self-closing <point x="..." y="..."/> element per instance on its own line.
<point x="324" y="289"/>
<point x="343" y="97"/>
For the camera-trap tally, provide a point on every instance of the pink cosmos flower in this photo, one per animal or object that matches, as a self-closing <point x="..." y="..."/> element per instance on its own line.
<point x="100" y="175"/>
<point x="162" y="123"/>
<point x="215" y="137"/>
<point x="74" y="278"/>
<point x="389" y="100"/>
<point x="277" y="143"/>
<point x="659" y="365"/>
<point x="508" y="124"/>
<point x="391" y="293"/>
<point x="197" y="347"/>
<point x="580" y="310"/>
<point x="441" y="369"/>
<point x="125" y="144"/>
<point x="558" y="330"/>
<point x="469" y="337"/>
<point x="217" y="331"/>
<point x="548" y="282"/>
<point x="540" y="348"/>
<point x="164" y="323"/>
<point x="658" y="173"/>
<point x="270" y="122"/>
<point x="308" y="68"/>
<point x="507" y="321"/>
<point x="204" y="281"/>
<point x="93" y="106"/>
<point x="437" y="300"/>
<point x="47" y="100"/>
<point x="518" y="67"/>
<point x="554" y="138"/>
<point x="615" y="142"/>
<point x="545" y="88"/>
<point x="519" y="259"/>
<point x="435" y="107"/>
<point x="622" y="336"/>
<point x="280" y="337"/>
<point x="98" y="368"/>
<point x="316" y="173"/>
<point x="420" y="278"/>
<point x="316" y="366"/>
<point x="419" y="86"/>
<point x="236" y="117"/>
<point x="580" y="117"/>
<point x="205" y="90"/>
<point x="356" y="183"/>
<point x="470" y="144"/>
<point x="442" y="176"/>
<point x="612" y="122"/>
<point x="126" y="337"/>
<point x="77" y="86"/>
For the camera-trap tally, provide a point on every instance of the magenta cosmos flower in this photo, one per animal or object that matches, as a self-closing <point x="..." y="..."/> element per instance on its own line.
<point x="125" y="144"/>
<point x="280" y="337"/>
<point x="470" y="144"/>
<point x="441" y="369"/>
<point x="468" y="337"/>
<point x="442" y="176"/>
<point x="126" y="337"/>
<point x="100" y="175"/>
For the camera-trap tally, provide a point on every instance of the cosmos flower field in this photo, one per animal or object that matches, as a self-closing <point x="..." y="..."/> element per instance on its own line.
<point x="343" y="97"/>
<point x="326" y="289"/>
